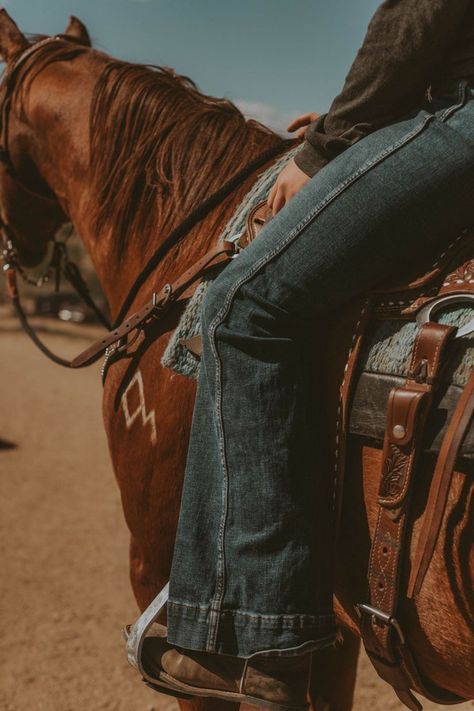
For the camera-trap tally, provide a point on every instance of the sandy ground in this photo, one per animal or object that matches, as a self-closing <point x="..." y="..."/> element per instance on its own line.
<point x="64" y="586"/>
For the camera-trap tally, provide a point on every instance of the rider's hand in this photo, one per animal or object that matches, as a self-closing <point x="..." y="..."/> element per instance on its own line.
<point x="302" y="122"/>
<point x="290" y="180"/>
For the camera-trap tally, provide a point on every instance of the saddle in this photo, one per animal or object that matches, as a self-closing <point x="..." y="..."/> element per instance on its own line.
<point x="405" y="408"/>
<point x="421" y="410"/>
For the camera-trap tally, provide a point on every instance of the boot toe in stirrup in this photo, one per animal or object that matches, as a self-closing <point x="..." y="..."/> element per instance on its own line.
<point x="277" y="684"/>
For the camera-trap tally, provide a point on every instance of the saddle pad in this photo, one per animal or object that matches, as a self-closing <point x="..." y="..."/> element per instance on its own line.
<point x="384" y="364"/>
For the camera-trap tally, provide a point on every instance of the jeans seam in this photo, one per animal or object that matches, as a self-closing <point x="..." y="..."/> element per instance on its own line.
<point x="462" y="93"/>
<point x="193" y="605"/>
<point x="447" y="113"/>
<point x="314" y="620"/>
<point x="216" y="602"/>
<point x="312" y="645"/>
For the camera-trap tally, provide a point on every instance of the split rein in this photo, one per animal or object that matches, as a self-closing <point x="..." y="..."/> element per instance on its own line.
<point x="116" y="340"/>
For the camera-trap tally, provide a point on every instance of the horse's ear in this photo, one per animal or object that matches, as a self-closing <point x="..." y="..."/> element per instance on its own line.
<point x="78" y="30"/>
<point x="12" y="41"/>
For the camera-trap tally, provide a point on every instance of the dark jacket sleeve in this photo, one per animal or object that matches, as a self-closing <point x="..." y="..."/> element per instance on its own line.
<point x="403" y="49"/>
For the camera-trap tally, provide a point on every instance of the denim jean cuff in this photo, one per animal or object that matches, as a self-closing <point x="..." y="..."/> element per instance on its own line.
<point x="244" y="634"/>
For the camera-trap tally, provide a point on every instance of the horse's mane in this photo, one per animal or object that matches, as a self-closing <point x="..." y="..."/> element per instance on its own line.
<point x="158" y="147"/>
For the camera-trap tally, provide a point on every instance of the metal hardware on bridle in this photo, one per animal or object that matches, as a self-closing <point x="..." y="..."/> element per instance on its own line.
<point x="59" y="262"/>
<point x="53" y="268"/>
<point x="70" y="270"/>
<point x="9" y="253"/>
<point x="168" y="291"/>
<point x="158" y="305"/>
<point x="120" y="347"/>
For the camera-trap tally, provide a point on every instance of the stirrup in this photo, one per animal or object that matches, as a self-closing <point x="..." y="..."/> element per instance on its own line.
<point x="135" y="634"/>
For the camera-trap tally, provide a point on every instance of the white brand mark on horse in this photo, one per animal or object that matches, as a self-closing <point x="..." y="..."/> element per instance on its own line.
<point x="140" y="409"/>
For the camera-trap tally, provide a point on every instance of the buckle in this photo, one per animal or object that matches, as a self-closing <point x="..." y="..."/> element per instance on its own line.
<point x="381" y="616"/>
<point x="9" y="255"/>
<point x="158" y="303"/>
<point x="235" y="239"/>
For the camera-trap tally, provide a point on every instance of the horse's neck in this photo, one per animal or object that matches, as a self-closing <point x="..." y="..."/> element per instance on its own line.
<point x="58" y="147"/>
<point x="116" y="277"/>
<point x="62" y="150"/>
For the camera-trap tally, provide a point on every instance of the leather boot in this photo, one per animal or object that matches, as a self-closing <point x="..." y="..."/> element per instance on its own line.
<point x="277" y="683"/>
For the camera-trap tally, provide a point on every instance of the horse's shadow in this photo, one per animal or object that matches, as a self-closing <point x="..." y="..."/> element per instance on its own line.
<point x="5" y="444"/>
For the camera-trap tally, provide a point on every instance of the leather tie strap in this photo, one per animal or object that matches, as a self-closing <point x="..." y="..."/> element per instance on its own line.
<point x="408" y="409"/>
<point x="346" y="392"/>
<point x="438" y="496"/>
<point x="170" y="293"/>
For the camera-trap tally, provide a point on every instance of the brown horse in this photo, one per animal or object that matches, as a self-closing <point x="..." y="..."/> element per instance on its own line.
<point x="125" y="152"/>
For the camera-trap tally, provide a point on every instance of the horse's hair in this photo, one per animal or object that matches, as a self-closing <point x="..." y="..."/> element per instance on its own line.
<point x="158" y="147"/>
<point x="60" y="51"/>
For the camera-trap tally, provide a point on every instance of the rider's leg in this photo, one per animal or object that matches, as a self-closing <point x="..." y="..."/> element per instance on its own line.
<point x="251" y="566"/>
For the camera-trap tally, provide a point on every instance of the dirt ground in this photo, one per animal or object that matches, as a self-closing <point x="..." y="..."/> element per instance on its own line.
<point x="64" y="590"/>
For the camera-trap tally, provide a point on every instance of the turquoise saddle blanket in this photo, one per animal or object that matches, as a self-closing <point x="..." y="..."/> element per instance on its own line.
<point x="389" y="348"/>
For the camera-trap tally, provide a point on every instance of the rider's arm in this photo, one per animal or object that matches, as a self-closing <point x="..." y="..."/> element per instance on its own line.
<point x="404" y="49"/>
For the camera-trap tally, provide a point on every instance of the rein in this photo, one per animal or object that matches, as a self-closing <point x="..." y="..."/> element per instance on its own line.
<point x="196" y="216"/>
<point x="59" y="263"/>
<point x="169" y="292"/>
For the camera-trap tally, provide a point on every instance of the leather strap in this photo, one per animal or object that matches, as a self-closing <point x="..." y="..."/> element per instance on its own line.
<point x="197" y="216"/>
<point x="256" y="219"/>
<point x="407" y="413"/>
<point x="346" y="392"/>
<point x="73" y="275"/>
<point x="438" y="496"/>
<point x="153" y="309"/>
<point x="14" y="295"/>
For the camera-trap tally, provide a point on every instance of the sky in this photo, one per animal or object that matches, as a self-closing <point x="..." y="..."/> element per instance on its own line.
<point x="275" y="58"/>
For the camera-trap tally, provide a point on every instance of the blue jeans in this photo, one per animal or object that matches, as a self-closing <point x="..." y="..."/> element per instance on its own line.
<point x="252" y="568"/>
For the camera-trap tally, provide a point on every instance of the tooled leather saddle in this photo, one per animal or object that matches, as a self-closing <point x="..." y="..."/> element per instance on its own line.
<point x="421" y="410"/>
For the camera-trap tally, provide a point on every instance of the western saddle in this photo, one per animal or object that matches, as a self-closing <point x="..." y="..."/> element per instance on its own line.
<point x="403" y="419"/>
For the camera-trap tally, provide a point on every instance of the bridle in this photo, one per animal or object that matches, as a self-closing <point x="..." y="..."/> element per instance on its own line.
<point x="60" y="263"/>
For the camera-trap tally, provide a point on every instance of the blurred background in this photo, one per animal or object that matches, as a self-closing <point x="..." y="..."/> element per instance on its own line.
<point x="275" y="59"/>
<point x="64" y="592"/>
